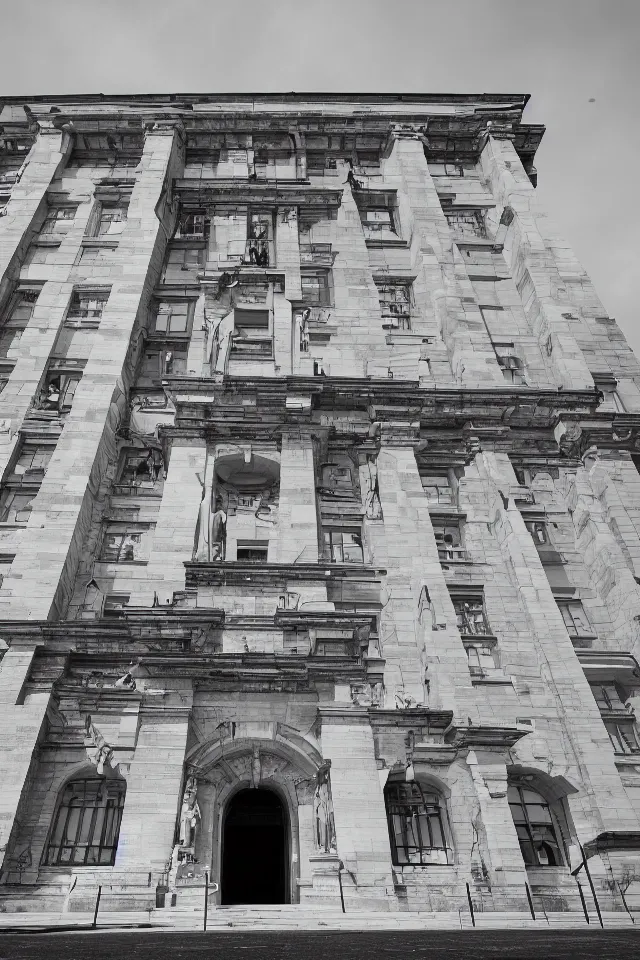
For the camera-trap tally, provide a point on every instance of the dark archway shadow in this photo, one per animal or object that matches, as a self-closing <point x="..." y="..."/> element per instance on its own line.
<point x="254" y="849"/>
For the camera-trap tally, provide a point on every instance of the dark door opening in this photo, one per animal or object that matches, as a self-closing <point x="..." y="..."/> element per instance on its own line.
<point x="254" y="848"/>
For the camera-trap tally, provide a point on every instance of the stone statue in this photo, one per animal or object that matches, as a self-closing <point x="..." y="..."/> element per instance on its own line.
<point x="219" y="331"/>
<point x="372" y="505"/>
<point x="98" y="750"/>
<point x="256" y="767"/>
<point x="218" y="532"/>
<point x="211" y="528"/>
<point x="325" y="830"/>
<point x="189" y="814"/>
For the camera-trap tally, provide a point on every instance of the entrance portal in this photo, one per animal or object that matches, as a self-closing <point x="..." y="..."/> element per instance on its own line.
<point x="254" y="846"/>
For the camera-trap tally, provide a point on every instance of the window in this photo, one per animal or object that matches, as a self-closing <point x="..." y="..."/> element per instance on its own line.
<point x="606" y="696"/>
<point x="141" y="469"/>
<point x="377" y="221"/>
<point x="395" y="304"/>
<point x="510" y="364"/>
<point x="259" y="246"/>
<point x="416" y="820"/>
<point x="114" y="604"/>
<point x="481" y="659"/>
<point x="470" y="616"/>
<point x="315" y="288"/>
<point x="160" y="362"/>
<point x="87" y="304"/>
<point x="15" y="505"/>
<point x="173" y="317"/>
<point x="58" y="392"/>
<point x="58" y="221"/>
<point x="623" y="736"/>
<point x="111" y="220"/>
<point x="192" y="226"/>
<point x="183" y="264"/>
<point x="437" y="488"/>
<point x="575" y="618"/>
<point x="448" y="540"/>
<point x="252" y="552"/>
<point x="87" y="823"/>
<point x="534" y="826"/>
<point x="612" y="402"/>
<point x="466" y="223"/>
<point x="20" y="312"/>
<point x="252" y="337"/>
<point x="343" y="546"/>
<point x="124" y="544"/>
<point x="33" y="460"/>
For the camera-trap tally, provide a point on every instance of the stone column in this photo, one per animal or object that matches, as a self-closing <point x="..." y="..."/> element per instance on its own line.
<point x="506" y="866"/>
<point x="61" y="518"/>
<point x="529" y="241"/>
<point x="173" y="538"/>
<point x="358" y="804"/>
<point x="288" y="261"/>
<point x="27" y="206"/>
<point x="298" y="523"/>
<point x="21" y="724"/>
<point x="417" y="628"/>
<point x="155" y="782"/>
<point x="584" y="754"/>
<point x="443" y="292"/>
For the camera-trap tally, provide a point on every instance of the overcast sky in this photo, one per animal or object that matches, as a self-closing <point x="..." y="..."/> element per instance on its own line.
<point x="562" y="52"/>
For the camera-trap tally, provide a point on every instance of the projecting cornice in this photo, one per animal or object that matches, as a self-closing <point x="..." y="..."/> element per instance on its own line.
<point x="281" y="193"/>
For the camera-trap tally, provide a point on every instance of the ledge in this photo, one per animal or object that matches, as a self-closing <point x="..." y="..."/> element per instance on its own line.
<point x="293" y="192"/>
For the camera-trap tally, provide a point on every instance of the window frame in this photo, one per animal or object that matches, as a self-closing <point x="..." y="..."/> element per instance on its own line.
<point x="416" y="808"/>
<point x="324" y="296"/>
<point x="572" y="628"/>
<point x="331" y="532"/>
<point x="103" y="828"/>
<point x="188" y="304"/>
<point x="528" y="825"/>
<point x="89" y="316"/>
<point x="475" y="599"/>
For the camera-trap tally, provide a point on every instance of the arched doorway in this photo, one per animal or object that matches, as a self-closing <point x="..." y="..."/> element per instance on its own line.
<point x="254" y="849"/>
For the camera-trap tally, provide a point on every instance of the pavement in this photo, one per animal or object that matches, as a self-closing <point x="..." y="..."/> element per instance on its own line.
<point x="590" y="944"/>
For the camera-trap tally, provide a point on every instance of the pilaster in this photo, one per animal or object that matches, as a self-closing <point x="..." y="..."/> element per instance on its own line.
<point x="297" y="513"/>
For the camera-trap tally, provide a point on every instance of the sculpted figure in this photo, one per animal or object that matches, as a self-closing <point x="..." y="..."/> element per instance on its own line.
<point x="372" y="505"/>
<point x="325" y="830"/>
<point x="189" y="814"/>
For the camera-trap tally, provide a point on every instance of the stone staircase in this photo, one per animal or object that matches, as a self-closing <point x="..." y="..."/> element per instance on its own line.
<point x="189" y="915"/>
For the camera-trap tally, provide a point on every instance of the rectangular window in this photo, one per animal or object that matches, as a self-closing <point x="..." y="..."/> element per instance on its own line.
<point x="437" y="488"/>
<point x="183" y="264"/>
<point x="377" y="222"/>
<point x="606" y="696"/>
<point x="538" y="530"/>
<point x="623" y="736"/>
<point x="172" y="318"/>
<point x="33" y="460"/>
<point x="252" y="551"/>
<point x="192" y="226"/>
<point x="481" y="659"/>
<point x="252" y="336"/>
<point x="115" y="603"/>
<point x="87" y="304"/>
<point x="124" y="544"/>
<point x="467" y="223"/>
<point x="259" y="245"/>
<point x="58" y="221"/>
<point x="111" y="220"/>
<point x="612" y="402"/>
<point x="470" y="615"/>
<point x="59" y="390"/>
<point x="511" y="365"/>
<point x="448" y="540"/>
<point x="16" y="504"/>
<point x="163" y="362"/>
<point x="575" y="618"/>
<point x="315" y="288"/>
<point x="343" y="546"/>
<point x="395" y="304"/>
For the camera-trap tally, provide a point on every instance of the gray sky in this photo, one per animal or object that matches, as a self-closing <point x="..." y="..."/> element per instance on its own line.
<point x="562" y="52"/>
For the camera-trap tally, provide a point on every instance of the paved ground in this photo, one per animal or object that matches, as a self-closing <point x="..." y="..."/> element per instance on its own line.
<point x="436" y="945"/>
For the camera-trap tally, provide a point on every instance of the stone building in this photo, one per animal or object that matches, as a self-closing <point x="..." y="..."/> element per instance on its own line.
<point x="319" y="511"/>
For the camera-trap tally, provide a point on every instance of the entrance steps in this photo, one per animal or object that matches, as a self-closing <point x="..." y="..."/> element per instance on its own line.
<point x="302" y="917"/>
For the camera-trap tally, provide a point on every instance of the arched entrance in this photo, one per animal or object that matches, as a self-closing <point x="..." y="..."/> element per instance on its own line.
<point x="254" y="849"/>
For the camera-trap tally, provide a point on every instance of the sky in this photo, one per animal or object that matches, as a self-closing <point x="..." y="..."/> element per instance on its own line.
<point x="565" y="53"/>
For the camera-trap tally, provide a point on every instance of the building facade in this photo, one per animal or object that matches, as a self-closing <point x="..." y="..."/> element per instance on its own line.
<point x="319" y="511"/>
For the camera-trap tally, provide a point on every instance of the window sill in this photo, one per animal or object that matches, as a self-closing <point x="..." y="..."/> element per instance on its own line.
<point x="12" y="525"/>
<point x="110" y="242"/>
<point x="123" y="563"/>
<point x="376" y="242"/>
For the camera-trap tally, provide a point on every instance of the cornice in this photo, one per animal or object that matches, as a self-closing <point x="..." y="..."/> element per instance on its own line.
<point x="232" y="572"/>
<point x="281" y="192"/>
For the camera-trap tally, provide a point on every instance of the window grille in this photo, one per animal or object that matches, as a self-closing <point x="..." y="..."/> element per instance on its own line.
<point x="575" y="618"/>
<point x="343" y="546"/>
<point x="416" y="822"/>
<point x="395" y="304"/>
<point x="87" y="822"/>
<point x="470" y="616"/>
<point x="535" y="827"/>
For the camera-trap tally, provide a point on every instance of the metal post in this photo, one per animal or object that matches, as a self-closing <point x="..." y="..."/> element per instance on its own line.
<point x="340" y="866"/>
<point x="593" y="889"/>
<point x="95" y="912"/>
<point x="624" y="900"/>
<point x="206" y="897"/>
<point x="529" y="898"/>
<point x="473" y="916"/>
<point x="583" y="901"/>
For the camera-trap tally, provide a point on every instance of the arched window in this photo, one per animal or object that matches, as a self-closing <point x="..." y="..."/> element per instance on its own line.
<point x="87" y="823"/>
<point x="417" y="824"/>
<point x="535" y="827"/>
